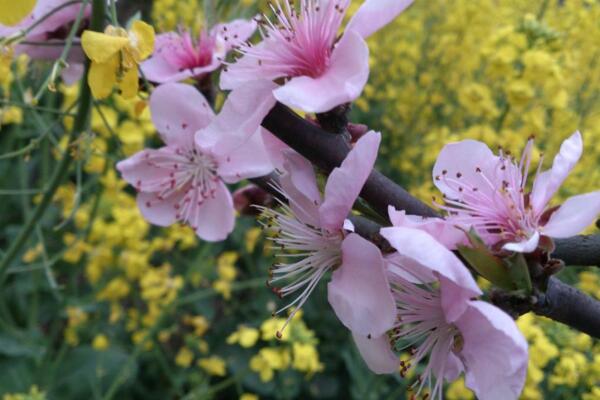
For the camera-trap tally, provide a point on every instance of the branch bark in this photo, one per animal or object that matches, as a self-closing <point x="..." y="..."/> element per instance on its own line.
<point x="565" y="304"/>
<point x="579" y="250"/>
<point x="327" y="151"/>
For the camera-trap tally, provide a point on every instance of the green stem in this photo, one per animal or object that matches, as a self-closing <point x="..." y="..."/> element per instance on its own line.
<point x="113" y="12"/>
<point x="80" y="123"/>
<point x="61" y="62"/>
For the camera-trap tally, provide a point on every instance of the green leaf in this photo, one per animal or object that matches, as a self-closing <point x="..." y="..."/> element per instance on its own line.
<point x="485" y="263"/>
<point x="15" y="347"/>
<point x="519" y="271"/>
<point x="85" y="371"/>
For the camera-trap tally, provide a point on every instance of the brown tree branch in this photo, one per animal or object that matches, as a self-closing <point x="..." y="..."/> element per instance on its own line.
<point x="565" y="304"/>
<point x="578" y="250"/>
<point x="327" y="151"/>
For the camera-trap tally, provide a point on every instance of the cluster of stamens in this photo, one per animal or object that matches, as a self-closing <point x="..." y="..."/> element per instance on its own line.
<point x="190" y="172"/>
<point x="422" y="329"/>
<point x="498" y="211"/>
<point x="184" y="52"/>
<point x="297" y="43"/>
<point x="308" y="252"/>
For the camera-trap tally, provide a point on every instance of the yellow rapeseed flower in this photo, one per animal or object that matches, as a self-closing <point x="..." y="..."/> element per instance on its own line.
<point x="213" y="365"/>
<point x="115" y="56"/>
<point x="246" y="336"/>
<point x="100" y="342"/>
<point x="14" y="11"/>
<point x="184" y="357"/>
<point x="198" y="322"/>
<point x="34" y="394"/>
<point x="306" y="358"/>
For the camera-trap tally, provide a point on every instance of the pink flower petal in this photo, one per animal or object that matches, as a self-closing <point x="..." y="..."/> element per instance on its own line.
<point x="140" y="172"/>
<point x="345" y="182"/>
<point x="343" y="82"/>
<point x="359" y="291"/>
<point x="408" y="269"/>
<point x="377" y="353"/>
<point x="58" y="18"/>
<point x="157" y="69"/>
<point x="161" y="212"/>
<point x="240" y="117"/>
<point x="375" y="14"/>
<point x="215" y="218"/>
<point x="548" y="182"/>
<point x="432" y="256"/>
<point x="494" y="352"/>
<point x="300" y="184"/>
<point x="247" y="161"/>
<point x="235" y="32"/>
<point x="573" y="216"/>
<point x="444" y="231"/>
<point x="244" y="71"/>
<point x="276" y="149"/>
<point x="526" y="246"/>
<point x="457" y="165"/>
<point x="178" y="111"/>
<point x="72" y="74"/>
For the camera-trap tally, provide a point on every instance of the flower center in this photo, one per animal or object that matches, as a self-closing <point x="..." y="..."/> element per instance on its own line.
<point x="496" y="204"/>
<point x="422" y="328"/>
<point x="307" y="252"/>
<point x="190" y="175"/>
<point x="298" y="43"/>
<point x="183" y="52"/>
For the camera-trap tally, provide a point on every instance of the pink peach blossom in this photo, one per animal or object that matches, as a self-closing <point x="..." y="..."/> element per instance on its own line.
<point x="488" y="193"/>
<point x="185" y="180"/>
<point x="178" y="56"/>
<point x="302" y="47"/>
<point x="438" y="320"/>
<point x="315" y="238"/>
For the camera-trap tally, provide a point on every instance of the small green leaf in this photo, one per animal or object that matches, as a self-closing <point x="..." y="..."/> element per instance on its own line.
<point x="485" y="263"/>
<point x="488" y="266"/>
<point x="519" y="271"/>
<point x="18" y="347"/>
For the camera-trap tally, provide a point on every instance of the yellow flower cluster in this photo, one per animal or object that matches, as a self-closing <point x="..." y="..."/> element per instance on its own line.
<point x="297" y="348"/>
<point x="33" y="394"/>
<point x="226" y="273"/>
<point x="169" y="14"/>
<point x="10" y="114"/>
<point x="497" y="72"/>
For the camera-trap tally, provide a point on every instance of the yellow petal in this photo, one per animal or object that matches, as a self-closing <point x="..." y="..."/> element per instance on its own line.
<point x="102" y="77"/>
<point x="99" y="47"/>
<point x="13" y="11"/>
<point x="129" y="83"/>
<point x="144" y="39"/>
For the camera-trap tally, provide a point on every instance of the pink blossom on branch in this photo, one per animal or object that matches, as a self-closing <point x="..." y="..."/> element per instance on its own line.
<point x="315" y="238"/>
<point x="438" y="321"/>
<point x="179" y="56"/>
<point x="488" y="193"/>
<point x="185" y="180"/>
<point x="301" y="47"/>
